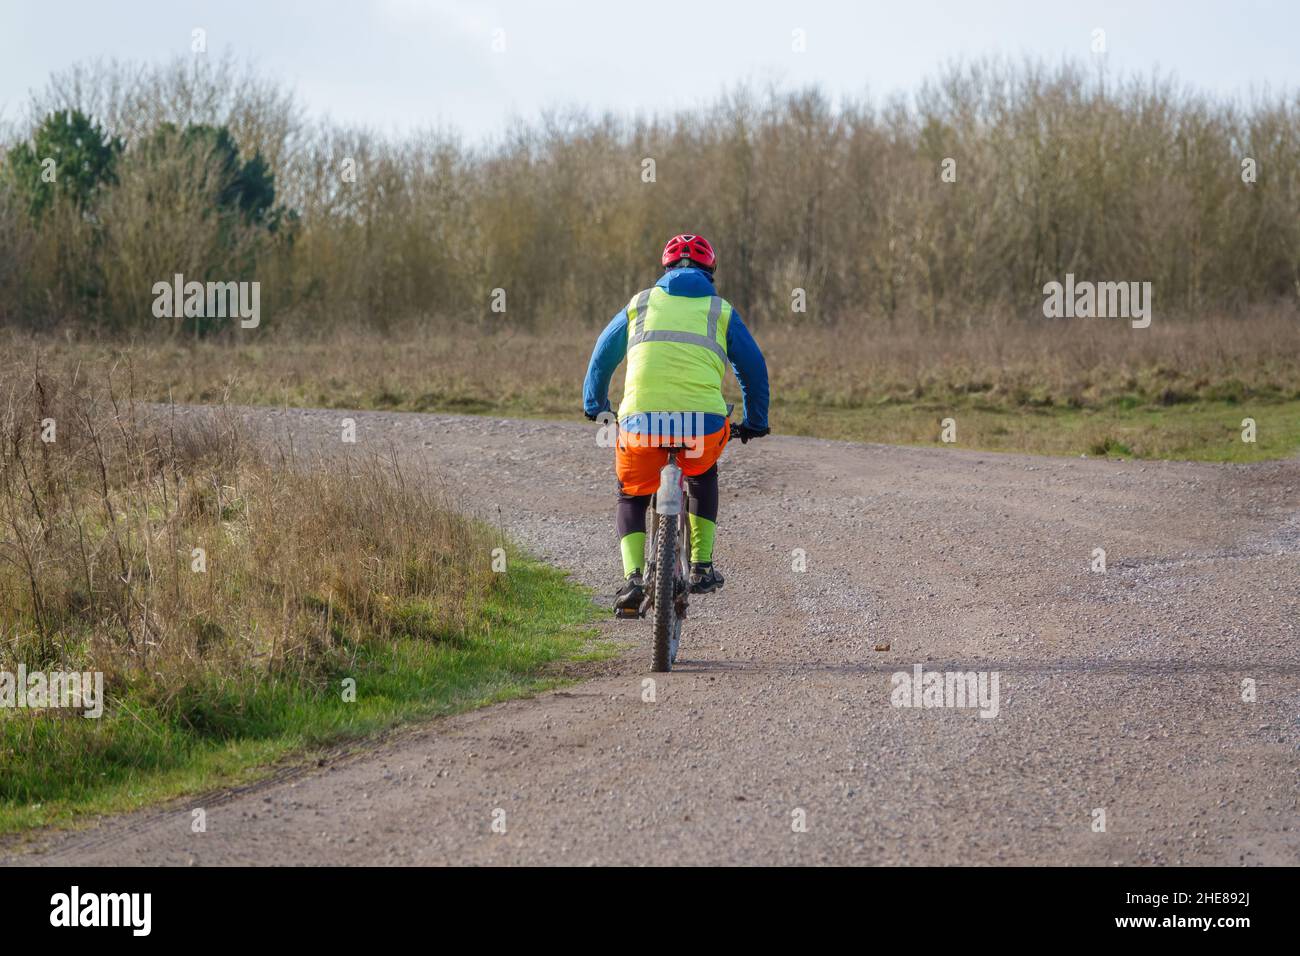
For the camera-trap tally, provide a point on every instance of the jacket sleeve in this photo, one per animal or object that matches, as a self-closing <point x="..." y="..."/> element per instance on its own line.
<point x="751" y="371"/>
<point x="610" y="350"/>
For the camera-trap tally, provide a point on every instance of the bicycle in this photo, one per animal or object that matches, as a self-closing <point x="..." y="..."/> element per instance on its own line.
<point x="669" y="566"/>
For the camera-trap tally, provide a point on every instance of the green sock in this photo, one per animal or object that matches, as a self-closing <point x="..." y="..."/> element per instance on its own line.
<point x="702" y="534"/>
<point x="633" y="547"/>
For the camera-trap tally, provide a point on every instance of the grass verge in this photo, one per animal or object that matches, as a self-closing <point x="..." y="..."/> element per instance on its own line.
<point x="239" y="608"/>
<point x="57" y="770"/>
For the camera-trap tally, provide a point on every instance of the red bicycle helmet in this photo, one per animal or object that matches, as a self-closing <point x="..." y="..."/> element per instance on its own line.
<point x="686" y="246"/>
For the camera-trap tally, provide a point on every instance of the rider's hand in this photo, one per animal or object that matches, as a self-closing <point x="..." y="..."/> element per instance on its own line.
<point x="745" y="432"/>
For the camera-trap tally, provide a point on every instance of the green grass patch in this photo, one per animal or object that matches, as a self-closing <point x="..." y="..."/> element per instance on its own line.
<point x="54" y="769"/>
<point x="1197" y="431"/>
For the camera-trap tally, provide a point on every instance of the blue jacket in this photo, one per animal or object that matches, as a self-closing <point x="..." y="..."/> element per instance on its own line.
<point x="746" y="359"/>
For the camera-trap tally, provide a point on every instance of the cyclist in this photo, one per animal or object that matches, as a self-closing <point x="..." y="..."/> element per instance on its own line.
<point x="678" y="338"/>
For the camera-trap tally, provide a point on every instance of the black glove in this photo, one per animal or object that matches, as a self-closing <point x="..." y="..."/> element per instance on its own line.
<point x="745" y="433"/>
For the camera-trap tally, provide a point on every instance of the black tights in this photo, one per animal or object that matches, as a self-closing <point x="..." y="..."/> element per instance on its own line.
<point x="704" y="503"/>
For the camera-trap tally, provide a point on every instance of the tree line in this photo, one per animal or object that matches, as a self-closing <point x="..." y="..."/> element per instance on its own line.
<point x="952" y="206"/>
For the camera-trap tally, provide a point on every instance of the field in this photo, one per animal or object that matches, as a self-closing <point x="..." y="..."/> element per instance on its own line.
<point x="1180" y="389"/>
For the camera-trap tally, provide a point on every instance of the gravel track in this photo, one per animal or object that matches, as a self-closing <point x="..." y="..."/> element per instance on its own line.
<point x="1119" y="691"/>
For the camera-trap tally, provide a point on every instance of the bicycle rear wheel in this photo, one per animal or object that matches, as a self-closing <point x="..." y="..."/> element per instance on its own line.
<point x="666" y="623"/>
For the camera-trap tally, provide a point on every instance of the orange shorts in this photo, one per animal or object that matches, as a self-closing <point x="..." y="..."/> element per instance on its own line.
<point x="638" y="459"/>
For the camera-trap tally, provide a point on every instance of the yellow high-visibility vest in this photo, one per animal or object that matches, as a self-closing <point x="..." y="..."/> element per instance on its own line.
<point x="676" y="354"/>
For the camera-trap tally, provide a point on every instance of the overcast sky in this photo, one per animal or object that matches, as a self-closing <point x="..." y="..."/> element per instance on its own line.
<point x="395" y="64"/>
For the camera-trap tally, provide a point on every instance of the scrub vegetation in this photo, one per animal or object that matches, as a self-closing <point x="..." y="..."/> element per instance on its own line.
<point x="242" y="605"/>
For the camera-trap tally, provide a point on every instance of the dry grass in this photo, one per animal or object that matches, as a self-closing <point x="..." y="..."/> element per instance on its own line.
<point x="1080" y="363"/>
<point x="103" y="526"/>
<point x="1178" y="389"/>
<point x="1092" y="364"/>
<point x="225" y="590"/>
